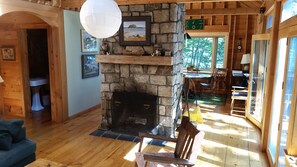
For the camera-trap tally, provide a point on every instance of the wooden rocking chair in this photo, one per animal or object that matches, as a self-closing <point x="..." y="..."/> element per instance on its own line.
<point x="186" y="151"/>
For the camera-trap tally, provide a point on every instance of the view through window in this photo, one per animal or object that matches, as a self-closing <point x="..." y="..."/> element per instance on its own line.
<point x="204" y="53"/>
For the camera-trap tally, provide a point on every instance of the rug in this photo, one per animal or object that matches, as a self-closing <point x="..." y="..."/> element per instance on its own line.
<point x="208" y="98"/>
<point x="126" y="137"/>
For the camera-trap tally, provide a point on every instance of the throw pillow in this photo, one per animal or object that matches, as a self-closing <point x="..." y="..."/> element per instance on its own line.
<point x="15" y="128"/>
<point x="5" y="139"/>
<point x="21" y="135"/>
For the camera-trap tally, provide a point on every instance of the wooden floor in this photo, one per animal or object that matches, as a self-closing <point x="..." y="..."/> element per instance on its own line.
<point x="229" y="141"/>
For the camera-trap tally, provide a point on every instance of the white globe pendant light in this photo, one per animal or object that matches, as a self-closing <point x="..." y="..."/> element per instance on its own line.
<point x="101" y="18"/>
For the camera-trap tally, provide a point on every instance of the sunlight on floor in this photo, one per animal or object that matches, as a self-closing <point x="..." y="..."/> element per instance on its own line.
<point x="229" y="141"/>
<point x="131" y="154"/>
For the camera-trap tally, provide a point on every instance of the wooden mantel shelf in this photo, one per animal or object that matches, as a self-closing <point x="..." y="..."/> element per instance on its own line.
<point x="142" y="60"/>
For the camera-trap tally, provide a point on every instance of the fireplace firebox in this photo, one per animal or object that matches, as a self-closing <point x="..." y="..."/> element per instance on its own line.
<point x="133" y="112"/>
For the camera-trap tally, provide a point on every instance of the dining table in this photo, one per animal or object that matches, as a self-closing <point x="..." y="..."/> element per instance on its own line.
<point x="193" y="79"/>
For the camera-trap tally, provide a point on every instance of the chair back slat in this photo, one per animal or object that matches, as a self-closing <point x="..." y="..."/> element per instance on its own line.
<point x="185" y="140"/>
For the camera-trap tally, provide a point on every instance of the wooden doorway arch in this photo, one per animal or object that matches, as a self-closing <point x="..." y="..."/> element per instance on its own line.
<point x="53" y="21"/>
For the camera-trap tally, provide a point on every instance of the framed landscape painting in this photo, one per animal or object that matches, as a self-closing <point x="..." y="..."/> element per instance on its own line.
<point x="135" y="30"/>
<point x="88" y="42"/>
<point x="90" y="68"/>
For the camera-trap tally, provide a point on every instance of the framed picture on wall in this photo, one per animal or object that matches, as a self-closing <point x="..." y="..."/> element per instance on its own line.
<point x="8" y="53"/>
<point x="135" y="30"/>
<point x="88" y="42"/>
<point x="89" y="66"/>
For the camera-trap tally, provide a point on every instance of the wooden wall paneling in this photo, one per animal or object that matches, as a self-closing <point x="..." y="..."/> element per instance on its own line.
<point x="225" y="11"/>
<point x="188" y="6"/>
<point x="19" y="74"/>
<point x="11" y="71"/>
<point x="262" y="20"/>
<point x="224" y="16"/>
<point x="26" y="76"/>
<point x="271" y="64"/>
<point x="13" y="107"/>
<point x="232" y="5"/>
<point x="59" y="100"/>
<point x="72" y="4"/>
<point x="269" y="5"/>
<point x="55" y="95"/>
<point x="7" y="35"/>
<point x="207" y="20"/>
<point x="212" y="19"/>
<point x="63" y="71"/>
<point x="252" y="29"/>
<point x="232" y="42"/>
<point x="196" y="5"/>
<point x="246" y="34"/>
<point x="60" y="74"/>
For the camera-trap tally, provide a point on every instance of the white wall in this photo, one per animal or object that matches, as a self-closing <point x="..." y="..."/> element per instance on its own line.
<point x="82" y="93"/>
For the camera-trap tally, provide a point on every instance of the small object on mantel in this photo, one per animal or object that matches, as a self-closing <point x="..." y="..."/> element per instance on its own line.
<point x="167" y="53"/>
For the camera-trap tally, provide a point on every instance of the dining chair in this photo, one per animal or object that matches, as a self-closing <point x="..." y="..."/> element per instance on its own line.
<point x="186" y="150"/>
<point x="239" y="93"/>
<point x="208" y="86"/>
<point x="220" y="76"/>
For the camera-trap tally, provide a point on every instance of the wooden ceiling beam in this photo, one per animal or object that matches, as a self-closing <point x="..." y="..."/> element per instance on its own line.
<point x="76" y="4"/>
<point x="131" y="2"/>
<point x="66" y="4"/>
<point x="223" y="11"/>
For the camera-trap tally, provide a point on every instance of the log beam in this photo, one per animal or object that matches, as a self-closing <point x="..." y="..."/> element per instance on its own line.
<point x="131" y="2"/>
<point x="66" y="4"/>
<point x="76" y="4"/>
<point x="72" y="4"/>
<point x="223" y="11"/>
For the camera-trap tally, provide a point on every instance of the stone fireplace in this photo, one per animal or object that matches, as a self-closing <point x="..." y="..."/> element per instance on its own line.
<point x="155" y="75"/>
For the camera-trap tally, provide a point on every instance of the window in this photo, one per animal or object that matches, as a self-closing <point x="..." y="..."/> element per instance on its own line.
<point x="289" y="9"/>
<point x="269" y="22"/>
<point x="205" y="53"/>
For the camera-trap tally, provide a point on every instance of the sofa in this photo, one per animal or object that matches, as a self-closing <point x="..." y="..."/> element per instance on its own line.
<point x="15" y="149"/>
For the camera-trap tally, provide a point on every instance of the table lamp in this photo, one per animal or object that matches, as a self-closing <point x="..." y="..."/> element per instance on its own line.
<point x="245" y="60"/>
<point x="1" y="79"/>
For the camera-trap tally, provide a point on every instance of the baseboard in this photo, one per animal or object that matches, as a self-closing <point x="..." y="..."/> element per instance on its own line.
<point x="85" y="111"/>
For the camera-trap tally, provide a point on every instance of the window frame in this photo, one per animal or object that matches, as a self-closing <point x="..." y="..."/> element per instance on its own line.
<point x="215" y="36"/>
<point x="289" y="31"/>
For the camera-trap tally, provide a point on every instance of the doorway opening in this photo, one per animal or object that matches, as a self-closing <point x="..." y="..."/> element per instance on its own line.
<point x="37" y="45"/>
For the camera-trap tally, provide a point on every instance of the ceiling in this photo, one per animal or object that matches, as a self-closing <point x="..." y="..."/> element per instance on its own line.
<point x="192" y="6"/>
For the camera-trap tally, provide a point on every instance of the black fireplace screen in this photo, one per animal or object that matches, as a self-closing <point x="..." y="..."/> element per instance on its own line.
<point x="133" y="112"/>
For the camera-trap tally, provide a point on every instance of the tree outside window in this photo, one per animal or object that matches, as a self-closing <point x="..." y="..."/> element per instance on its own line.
<point x="199" y="53"/>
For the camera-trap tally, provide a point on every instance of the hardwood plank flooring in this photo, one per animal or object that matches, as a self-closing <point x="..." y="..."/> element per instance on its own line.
<point x="229" y="141"/>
